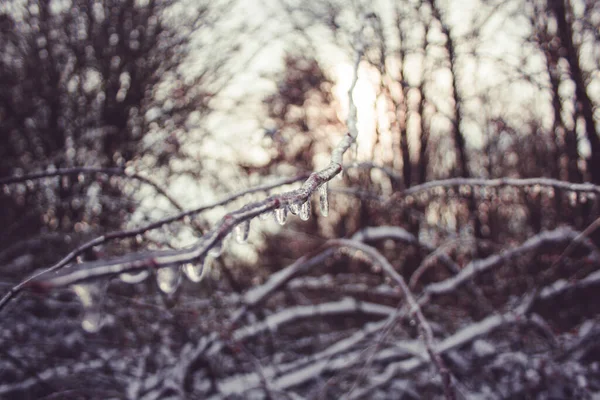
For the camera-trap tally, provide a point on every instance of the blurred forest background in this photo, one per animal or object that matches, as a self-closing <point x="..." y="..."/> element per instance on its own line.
<point x="133" y="111"/>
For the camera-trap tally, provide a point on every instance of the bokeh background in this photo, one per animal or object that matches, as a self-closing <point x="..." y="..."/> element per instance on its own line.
<point x="201" y="99"/>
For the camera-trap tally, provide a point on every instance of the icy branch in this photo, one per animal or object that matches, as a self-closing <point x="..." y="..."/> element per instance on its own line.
<point x="289" y="315"/>
<point x="414" y="307"/>
<point x="460" y="338"/>
<point x="134" y="232"/>
<point x="474" y="268"/>
<point x="162" y="259"/>
<point x="503" y="182"/>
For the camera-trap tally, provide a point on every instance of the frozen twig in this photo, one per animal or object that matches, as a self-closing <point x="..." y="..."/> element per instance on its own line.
<point x="138" y="231"/>
<point x="414" y="308"/>
<point x="289" y="315"/>
<point x="474" y="268"/>
<point x="277" y="280"/>
<point x="339" y="356"/>
<point x="460" y="338"/>
<point x="503" y="182"/>
<point x="58" y="372"/>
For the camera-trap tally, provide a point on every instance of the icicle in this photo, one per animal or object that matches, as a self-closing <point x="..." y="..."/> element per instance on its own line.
<point x="195" y="272"/>
<point x="281" y="215"/>
<point x="168" y="279"/>
<point x="134" y="277"/>
<point x="91" y="296"/>
<point x="295" y="208"/>
<point x="305" y="210"/>
<point x="216" y="250"/>
<point x="323" y="200"/>
<point x="241" y="231"/>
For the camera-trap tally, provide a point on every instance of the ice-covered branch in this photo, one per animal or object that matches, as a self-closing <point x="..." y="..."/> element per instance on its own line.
<point x="460" y="338"/>
<point x="414" y="308"/>
<point x="296" y="200"/>
<point x="55" y="373"/>
<point x="369" y="234"/>
<point x="289" y="315"/>
<point x="474" y="268"/>
<point x="503" y="182"/>
<point x="141" y="230"/>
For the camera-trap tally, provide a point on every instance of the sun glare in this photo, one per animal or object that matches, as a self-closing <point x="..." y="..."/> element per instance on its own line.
<point x="364" y="96"/>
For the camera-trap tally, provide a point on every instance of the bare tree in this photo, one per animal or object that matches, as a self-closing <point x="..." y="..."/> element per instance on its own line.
<point x="383" y="292"/>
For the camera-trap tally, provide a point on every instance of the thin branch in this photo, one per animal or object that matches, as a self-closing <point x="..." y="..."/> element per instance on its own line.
<point x="293" y="314"/>
<point x="460" y="338"/>
<point x="92" y="170"/>
<point x="414" y="307"/>
<point x="502" y="182"/>
<point x="474" y="268"/>
<point x="138" y="231"/>
<point x="58" y="372"/>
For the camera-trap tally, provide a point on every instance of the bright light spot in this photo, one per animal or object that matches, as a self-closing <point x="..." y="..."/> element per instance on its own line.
<point x="364" y="96"/>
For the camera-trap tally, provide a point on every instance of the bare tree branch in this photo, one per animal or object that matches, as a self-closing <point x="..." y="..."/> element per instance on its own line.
<point x="138" y="231"/>
<point x="124" y="172"/>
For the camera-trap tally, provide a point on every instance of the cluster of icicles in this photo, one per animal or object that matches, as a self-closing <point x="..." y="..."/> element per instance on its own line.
<point x="168" y="279"/>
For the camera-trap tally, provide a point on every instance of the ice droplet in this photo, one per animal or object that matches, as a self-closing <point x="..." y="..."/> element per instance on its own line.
<point x="241" y="231"/>
<point x="295" y="208"/>
<point x="281" y="215"/>
<point x="168" y="279"/>
<point x="134" y="277"/>
<point x="92" y="320"/>
<point x="196" y="272"/>
<point x="305" y="210"/>
<point x="323" y="199"/>
<point x="91" y="296"/>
